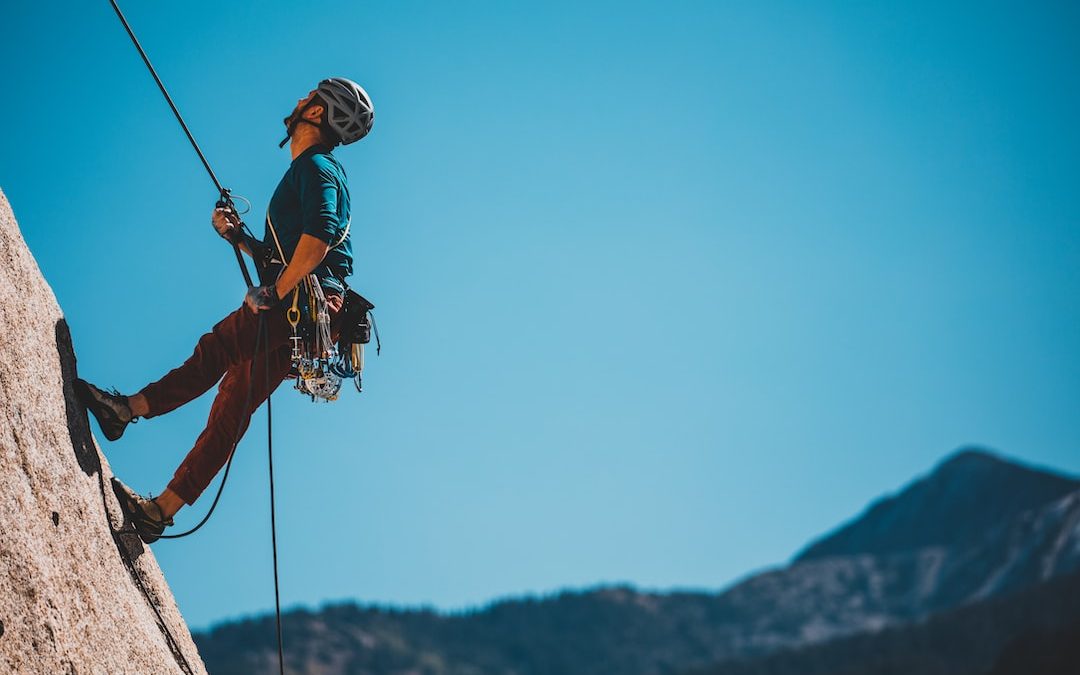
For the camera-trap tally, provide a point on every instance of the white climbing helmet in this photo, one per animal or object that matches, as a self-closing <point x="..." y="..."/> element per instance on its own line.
<point x="349" y="111"/>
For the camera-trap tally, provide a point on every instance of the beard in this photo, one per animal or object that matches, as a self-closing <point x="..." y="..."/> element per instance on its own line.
<point x="291" y="118"/>
<point x="290" y="124"/>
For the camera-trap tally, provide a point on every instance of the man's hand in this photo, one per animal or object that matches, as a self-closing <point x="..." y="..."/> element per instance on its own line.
<point x="260" y="298"/>
<point x="335" y="302"/>
<point x="226" y="221"/>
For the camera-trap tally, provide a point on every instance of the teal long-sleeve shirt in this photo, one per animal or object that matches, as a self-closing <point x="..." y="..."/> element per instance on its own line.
<point x="313" y="198"/>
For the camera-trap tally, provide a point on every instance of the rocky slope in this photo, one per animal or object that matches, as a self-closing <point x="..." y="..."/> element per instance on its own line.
<point x="965" y="496"/>
<point x="978" y="527"/>
<point x="1033" y="631"/>
<point x="79" y="593"/>
<point x="931" y="548"/>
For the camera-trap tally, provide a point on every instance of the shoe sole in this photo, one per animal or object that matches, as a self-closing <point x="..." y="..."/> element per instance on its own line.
<point x="86" y="397"/>
<point x="124" y="496"/>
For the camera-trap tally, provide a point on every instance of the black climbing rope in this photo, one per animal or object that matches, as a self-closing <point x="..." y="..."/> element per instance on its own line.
<point x="273" y="520"/>
<point x="224" y="196"/>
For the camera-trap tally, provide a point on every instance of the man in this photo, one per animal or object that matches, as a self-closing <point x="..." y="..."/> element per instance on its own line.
<point x="307" y="226"/>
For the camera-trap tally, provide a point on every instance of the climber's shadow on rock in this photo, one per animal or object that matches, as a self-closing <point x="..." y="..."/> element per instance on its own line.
<point x="128" y="544"/>
<point x="82" y="441"/>
<point x="77" y="422"/>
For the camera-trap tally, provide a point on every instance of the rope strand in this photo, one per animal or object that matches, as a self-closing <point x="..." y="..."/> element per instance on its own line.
<point x="273" y="519"/>
<point x="222" y="192"/>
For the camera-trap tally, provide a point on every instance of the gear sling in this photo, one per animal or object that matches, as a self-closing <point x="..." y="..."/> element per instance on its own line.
<point x="319" y="364"/>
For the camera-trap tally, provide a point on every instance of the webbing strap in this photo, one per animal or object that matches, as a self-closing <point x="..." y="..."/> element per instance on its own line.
<point x="277" y="242"/>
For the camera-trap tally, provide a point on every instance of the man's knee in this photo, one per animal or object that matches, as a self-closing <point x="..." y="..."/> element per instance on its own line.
<point x="231" y="339"/>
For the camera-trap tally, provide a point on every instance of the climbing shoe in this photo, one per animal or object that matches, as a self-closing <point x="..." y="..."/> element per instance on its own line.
<point x="145" y="515"/>
<point x="110" y="409"/>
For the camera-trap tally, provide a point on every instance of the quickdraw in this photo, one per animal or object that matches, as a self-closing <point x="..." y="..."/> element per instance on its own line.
<point x="319" y="364"/>
<point x="313" y="350"/>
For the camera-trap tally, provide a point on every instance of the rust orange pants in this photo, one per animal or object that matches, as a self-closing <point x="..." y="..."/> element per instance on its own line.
<point x="227" y="353"/>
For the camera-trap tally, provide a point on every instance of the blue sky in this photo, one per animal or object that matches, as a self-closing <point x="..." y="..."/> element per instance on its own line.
<point x="666" y="289"/>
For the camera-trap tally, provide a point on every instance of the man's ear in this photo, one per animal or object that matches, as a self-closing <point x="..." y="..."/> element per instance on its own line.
<point x="314" y="113"/>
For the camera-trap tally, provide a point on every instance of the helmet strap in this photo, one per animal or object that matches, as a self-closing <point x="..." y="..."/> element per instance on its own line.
<point x="295" y="122"/>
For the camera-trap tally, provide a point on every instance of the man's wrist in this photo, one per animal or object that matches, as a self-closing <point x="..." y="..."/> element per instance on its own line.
<point x="277" y="291"/>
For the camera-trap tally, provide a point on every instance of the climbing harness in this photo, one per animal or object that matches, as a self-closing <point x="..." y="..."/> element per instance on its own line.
<point x="318" y="363"/>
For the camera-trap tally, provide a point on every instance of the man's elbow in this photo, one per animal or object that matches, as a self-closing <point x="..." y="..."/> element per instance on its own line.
<point x="314" y="246"/>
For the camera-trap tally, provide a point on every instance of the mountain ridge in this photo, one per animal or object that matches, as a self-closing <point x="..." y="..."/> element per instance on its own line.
<point x="968" y="491"/>
<point x="619" y="629"/>
<point x="1034" y="630"/>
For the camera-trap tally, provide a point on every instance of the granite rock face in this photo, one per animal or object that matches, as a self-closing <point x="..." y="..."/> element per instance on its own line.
<point x="79" y="592"/>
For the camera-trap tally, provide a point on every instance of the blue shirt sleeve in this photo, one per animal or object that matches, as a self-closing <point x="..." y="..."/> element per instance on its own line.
<point x="319" y="194"/>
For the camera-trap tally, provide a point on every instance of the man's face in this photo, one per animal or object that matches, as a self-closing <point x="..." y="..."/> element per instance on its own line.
<point x="298" y="110"/>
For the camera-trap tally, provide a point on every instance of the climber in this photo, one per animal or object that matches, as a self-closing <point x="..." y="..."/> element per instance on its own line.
<point x="307" y="228"/>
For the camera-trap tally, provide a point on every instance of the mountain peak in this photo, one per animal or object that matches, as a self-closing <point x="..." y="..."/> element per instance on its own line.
<point x="972" y="457"/>
<point x="971" y="490"/>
